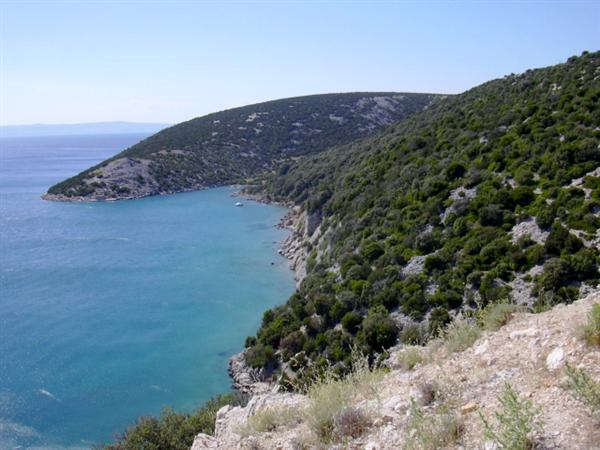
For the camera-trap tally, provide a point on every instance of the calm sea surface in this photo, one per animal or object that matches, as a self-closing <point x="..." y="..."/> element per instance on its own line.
<point x="109" y="311"/>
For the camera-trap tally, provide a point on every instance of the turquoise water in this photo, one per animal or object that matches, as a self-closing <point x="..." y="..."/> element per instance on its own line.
<point x="113" y="310"/>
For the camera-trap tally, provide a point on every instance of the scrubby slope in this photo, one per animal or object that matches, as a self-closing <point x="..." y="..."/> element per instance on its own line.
<point x="489" y="195"/>
<point x="233" y="145"/>
<point x="440" y="402"/>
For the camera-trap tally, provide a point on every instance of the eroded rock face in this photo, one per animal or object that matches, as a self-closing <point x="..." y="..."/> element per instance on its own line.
<point x="204" y="441"/>
<point x="313" y="220"/>
<point x="528" y="228"/>
<point x="122" y="178"/>
<point x="230" y="419"/>
<point x="247" y="379"/>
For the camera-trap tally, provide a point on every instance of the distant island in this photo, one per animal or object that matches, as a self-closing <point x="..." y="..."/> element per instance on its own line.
<point x="73" y="129"/>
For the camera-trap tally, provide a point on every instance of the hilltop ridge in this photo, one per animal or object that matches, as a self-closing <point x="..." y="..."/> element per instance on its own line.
<point x="490" y="195"/>
<point x="238" y="144"/>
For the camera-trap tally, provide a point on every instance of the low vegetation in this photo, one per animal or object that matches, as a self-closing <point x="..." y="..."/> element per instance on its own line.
<point x="269" y="419"/>
<point x="432" y="431"/>
<point x="418" y="225"/>
<point x="409" y="357"/>
<point x="418" y="221"/>
<point x="584" y="388"/>
<point x="495" y="315"/>
<point x="329" y="411"/>
<point x="173" y="430"/>
<point x="232" y="146"/>
<point x="516" y="424"/>
<point x="590" y="332"/>
<point x="460" y="335"/>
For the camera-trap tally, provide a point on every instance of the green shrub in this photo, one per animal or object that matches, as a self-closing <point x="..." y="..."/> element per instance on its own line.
<point x="516" y="423"/>
<point x="372" y="251"/>
<point x="495" y="315"/>
<point x="414" y="334"/>
<point x="438" y="319"/>
<point x="590" y="332"/>
<point x="556" y="274"/>
<point x="409" y="357"/>
<point x="351" y="321"/>
<point x="560" y="239"/>
<point x="432" y="431"/>
<point x="259" y="356"/>
<point x="379" y="329"/>
<point x="460" y="334"/>
<point x="584" y="388"/>
<point x="330" y="395"/>
<point x="583" y="264"/>
<point x="172" y="430"/>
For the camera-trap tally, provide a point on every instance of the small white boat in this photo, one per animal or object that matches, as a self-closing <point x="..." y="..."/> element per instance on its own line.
<point x="239" y="204"/>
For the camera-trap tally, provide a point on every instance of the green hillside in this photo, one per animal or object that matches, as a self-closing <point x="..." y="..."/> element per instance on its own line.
<point x="490" y="195"/>
<point x="234" y="145"/>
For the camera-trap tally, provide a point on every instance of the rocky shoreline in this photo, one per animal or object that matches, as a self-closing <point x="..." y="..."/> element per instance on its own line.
<point x="245" y="378"/>
<point x="92" y="199"/>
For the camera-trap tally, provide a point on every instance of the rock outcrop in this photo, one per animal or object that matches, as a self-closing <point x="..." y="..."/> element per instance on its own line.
<point x="529" y="353"/>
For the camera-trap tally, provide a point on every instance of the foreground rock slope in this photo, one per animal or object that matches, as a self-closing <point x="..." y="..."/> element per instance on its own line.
<point x="530" y="353"/>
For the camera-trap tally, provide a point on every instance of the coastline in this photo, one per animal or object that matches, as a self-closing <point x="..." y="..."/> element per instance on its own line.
<point x="245" y="378"/>
<point x="81" y="199"/>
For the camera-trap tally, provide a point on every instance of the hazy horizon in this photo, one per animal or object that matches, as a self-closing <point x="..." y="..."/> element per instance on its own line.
<point x="80" y="62"/>
<point x="83" y="128"/>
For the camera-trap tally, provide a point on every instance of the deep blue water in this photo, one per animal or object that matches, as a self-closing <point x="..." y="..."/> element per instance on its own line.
<point x="113" y="310"/>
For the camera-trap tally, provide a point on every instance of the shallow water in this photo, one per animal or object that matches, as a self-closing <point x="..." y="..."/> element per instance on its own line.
<point x="113" y="310"/>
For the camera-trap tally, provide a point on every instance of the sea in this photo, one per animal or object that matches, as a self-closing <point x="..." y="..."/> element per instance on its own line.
<point x="114" y="310"/>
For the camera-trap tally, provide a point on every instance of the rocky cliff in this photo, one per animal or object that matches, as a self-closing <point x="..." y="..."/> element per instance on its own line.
<point x="441" y="396"/>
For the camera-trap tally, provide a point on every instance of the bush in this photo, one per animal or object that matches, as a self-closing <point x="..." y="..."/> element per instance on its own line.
<point x="330" y="395"/>
<point x="560" y="239"/>
<point x="583" y="264"/>
<point x="455" y="170"/>
<point x="545" y="218"/>
<point x="584" y="388"/>
<point x="496" y="315"/>
<point x="372" y="251"/>
<point x="409" y="357"/>
<point x="438" y="319"/>
<point x="260" y="356"/>
<point x="591" y="330"/>
<point x="556" y="274"/>
<point x="351" y="321"/>
<point x="460" y="335"/>
<point x="250" y="341"/>
<point x="413" y="334"/>
<point x="516" y="423"/>
<point x="174" y="430"/>
<point x="432" y="431"/>
<point x="491" y="215"/>
<point x="522" y="195"/>
<point x="379" y="329"/>
<point x="351" y="422"/>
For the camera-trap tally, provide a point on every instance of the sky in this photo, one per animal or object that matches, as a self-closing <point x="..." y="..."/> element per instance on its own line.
<point x="169" y="61"/>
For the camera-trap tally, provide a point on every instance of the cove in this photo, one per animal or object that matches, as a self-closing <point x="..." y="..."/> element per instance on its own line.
<point x="109" y="311"/>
